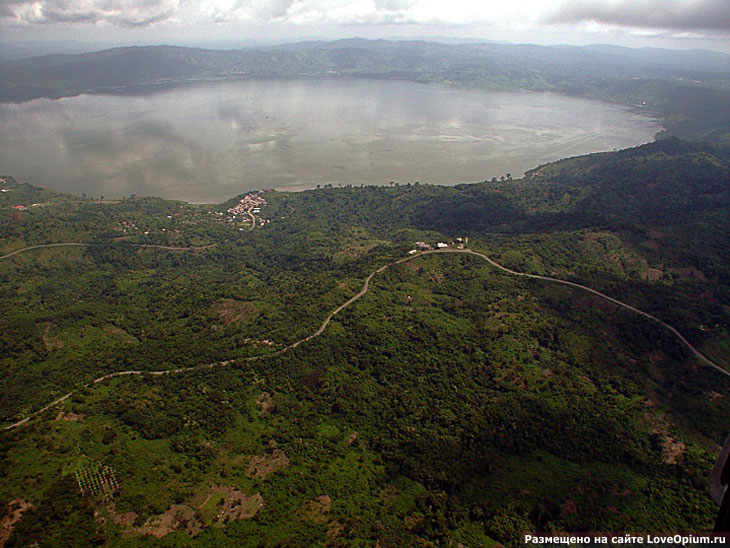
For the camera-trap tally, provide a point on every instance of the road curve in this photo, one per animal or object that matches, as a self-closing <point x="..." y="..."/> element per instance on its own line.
<point x="354" y="298"/>
<point x="41" y="246"/>
<point x="80" y="244"/>
<point x="253" y="219"/>
<point x="681" y="337"/>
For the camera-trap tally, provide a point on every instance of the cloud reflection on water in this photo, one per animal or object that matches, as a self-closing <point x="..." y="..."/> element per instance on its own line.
<point x="215" y="140"/>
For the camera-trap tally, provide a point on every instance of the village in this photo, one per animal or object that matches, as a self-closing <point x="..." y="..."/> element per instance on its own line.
<point x="181" y="219"/>
<point x="249" y="205"/>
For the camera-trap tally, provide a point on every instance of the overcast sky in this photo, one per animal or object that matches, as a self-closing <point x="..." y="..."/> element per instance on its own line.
<point x="677" y="24"/>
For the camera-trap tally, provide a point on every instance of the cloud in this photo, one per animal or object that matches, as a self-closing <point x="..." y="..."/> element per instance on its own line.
<point x="683" y="15"/>
<point x="262" y="9"/>
<point x="124" y="13"/>
<point x="231" y="11"/>
<point x="132" y="13"/>
<point x="703" y="16"/>
<point x="6" y="9"/>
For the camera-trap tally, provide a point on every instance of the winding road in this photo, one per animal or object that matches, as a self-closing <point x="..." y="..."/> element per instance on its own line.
<point x="353" y="299"/>
<point x="79" y="244"/>
<point x="41" y="246"/>
<point x="253" y="219"/>
<point x="681" y="337"/>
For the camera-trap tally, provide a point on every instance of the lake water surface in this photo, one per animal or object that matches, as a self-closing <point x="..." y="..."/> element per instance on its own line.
<point x="210" y="141"/>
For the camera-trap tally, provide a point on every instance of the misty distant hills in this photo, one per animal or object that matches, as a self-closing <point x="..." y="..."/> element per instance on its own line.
<point x="129" y="65"/>
<point x="689" y="89"/>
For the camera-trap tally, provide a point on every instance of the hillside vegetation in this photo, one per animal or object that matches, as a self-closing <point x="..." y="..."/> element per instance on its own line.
<point x="453" y="403"/>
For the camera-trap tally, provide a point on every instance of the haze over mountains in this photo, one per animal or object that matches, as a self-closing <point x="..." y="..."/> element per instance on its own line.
<point x="525" y="64"/>
<point x="688" y="88"/>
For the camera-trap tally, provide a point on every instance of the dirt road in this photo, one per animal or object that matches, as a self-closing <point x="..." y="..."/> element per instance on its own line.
<point x="362" y="293"/>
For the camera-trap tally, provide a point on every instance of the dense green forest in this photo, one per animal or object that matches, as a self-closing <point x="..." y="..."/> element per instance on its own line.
<point x="452" y="405"/>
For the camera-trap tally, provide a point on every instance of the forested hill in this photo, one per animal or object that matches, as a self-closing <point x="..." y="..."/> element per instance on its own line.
<point x="665" y="182"/>
<point x="688" y="90"/>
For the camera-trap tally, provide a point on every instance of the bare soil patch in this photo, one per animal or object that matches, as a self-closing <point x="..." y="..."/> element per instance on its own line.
<point x="616" y="259"/>
<point x="714" y="396"/>
<point x="125" y="520"/>
<point x="316" y="510"/>
<point x="231" y="311"/>
<point x="262" y="465"/>
<point x="335" y="530"/>
<point x="358" y="249"/>
<point x="414" y="522"/>
<point x="604" y="235"/>
<point x="673" y="449"/>
<point x="266" y="402"/>
<point x="178" y="517"/>
<point x="118" y="333"/>
<point x="16" y="508"/>
<point x="436" y="277"/>
<point x="51" y="343"/>
<point x="239" y="505"/>
<point x="652" y="274"/>
<point x="69" y="416"/>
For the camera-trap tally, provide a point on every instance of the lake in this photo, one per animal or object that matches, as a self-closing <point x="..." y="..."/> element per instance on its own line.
<point x="212" y="140"/>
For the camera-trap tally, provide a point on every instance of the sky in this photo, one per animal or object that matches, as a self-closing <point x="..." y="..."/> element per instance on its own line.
<point x="677" y="24"/>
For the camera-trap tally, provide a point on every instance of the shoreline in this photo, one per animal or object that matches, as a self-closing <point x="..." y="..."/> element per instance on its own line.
<point x="428" y="152"/>
<point x="303" y="186"/>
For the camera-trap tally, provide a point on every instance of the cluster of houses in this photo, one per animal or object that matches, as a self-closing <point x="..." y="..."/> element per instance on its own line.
<point x="250" y="204"/>
<point x="423" y="246"/>
<point x="127" y="226"/>
<point x="130" y="227"/>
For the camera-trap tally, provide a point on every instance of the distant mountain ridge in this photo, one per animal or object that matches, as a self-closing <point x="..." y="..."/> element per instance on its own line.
<point x="354" y="55"/>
